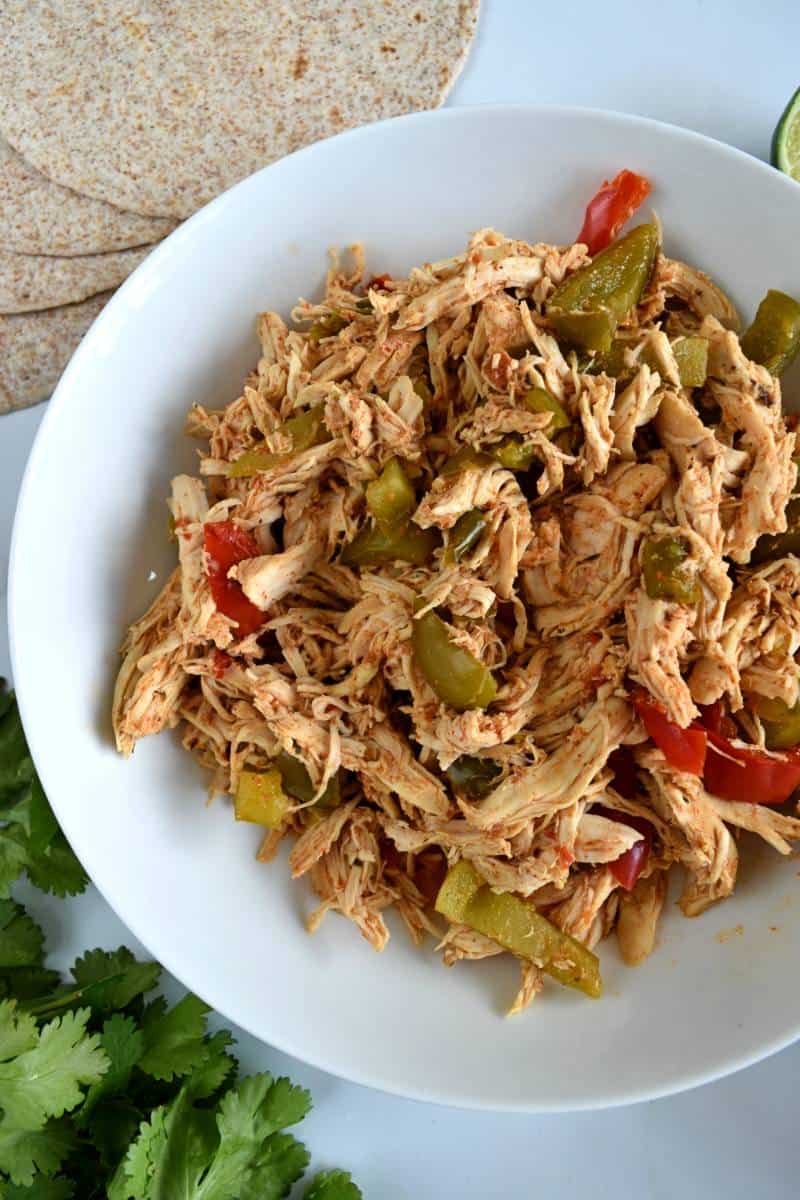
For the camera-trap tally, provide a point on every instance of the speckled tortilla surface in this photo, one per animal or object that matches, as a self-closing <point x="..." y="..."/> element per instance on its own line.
<point x="29" y="282"/>
<point x="38" y="216"/>
<point x="35" y="348"/>
<point x="156" y="107"/>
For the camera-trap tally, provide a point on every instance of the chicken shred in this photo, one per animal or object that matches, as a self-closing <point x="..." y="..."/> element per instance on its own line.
<point x="552" y="595"/>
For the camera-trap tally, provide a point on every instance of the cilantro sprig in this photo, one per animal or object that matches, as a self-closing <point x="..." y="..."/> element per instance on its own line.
<point x="105" y="1091"/>
<point x="30" y="839"/>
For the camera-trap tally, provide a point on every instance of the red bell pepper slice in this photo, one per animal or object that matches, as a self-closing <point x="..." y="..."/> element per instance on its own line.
<point x="225" y="546"/>
<point x="739" y="773"/>
<point x="626" y="779"/>
<point x="714" y="717"/>
<point x="684" y="749"/>
<point x="628" y="867"/>
<point x="608" y="211"/>
<point x="728" y="771"/>
<point x="711" y="716"/>
<point x="220" y="662"/>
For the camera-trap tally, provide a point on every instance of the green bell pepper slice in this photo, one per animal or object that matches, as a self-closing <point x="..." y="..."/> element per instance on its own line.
<point x="473" y="776"/>
<point x="457" y="677"/>
<point x="773" y="339"/>
<point x="592" y="330"/>
<point x="465" y="534"/>
<point x="691" y="356"/>
<point x="515" y="925"/>
<point x="778" y="545"/>
<point x="612" y="361"/>
<point x="664" y="577"/>
<point x="466" y="457"/>
<point x="589" y="304"/>
<point x="781" y="723"/>
<point x="539" y="400"/>
<point x="391" y="498"/>
<point x="297" y="782"/>
<point x="375" y="547"/>
<point x="327" y="327"/>
<point x="260" y="798"/>
<point x="511" y="451"/>
<point x="305" y="430"/>
<point x="513" y="454"/>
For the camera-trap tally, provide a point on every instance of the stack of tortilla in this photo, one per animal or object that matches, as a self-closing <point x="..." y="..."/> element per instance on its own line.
<point x="119" y="118"/>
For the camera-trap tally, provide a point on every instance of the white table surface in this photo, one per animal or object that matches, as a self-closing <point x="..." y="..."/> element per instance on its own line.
<point x="694" y="63"/>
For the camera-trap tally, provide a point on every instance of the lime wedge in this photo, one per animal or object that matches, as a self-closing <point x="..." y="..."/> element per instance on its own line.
<point x="785" y="154"/>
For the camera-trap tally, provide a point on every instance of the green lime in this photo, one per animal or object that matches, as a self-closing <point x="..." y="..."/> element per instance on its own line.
<point x="785" y="154"/>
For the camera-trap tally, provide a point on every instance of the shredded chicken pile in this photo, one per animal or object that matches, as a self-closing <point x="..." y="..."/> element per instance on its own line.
<point x="551" y="598"/>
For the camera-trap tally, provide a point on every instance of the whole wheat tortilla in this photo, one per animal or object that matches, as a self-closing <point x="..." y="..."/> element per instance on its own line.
<point x="159" y="105"/>
<point x="36" y="347"/>
<point x="38" y="216"/>
<point x="29" y="282"/>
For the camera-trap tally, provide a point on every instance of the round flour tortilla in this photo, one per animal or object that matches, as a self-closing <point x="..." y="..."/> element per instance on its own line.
<point x="157" y="106"/>
<point x="29" y="282"/>
<point x="38" y="216"/>
<point x="36" y="347"/>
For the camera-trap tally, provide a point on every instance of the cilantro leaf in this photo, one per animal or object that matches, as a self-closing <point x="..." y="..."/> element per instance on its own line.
<point x="332" y="1185"/>
<point x="170" y="1154"/>
<point x="216" y="1067"/>
<point x="173" y="1040"/>
<point x="109" y="980"/>
<point x="111" y="1128"/>
<point x="21" y="942"/>
<point x="261" y="1105"/>
<point x="30" y="839"/>
<point x="24" y="1151"/>
<point x="27" y="984"/>
<point x="57" y="870"/>
<point x="41" y="1189"/>
<point x="132" y="1179"/>
<point x="157" y="1143"/>
<point x="180" y="1155"/>
<point x="13" y="857"/>
<point x="280" y="1164"/>
<point x="157" y="1100"/>
<point x="42" y="1077"/>
<point x="248" y="1114"/>
<point x="16" y="767"/>
<point x="17" y="1031"/>
<point x="21" y="939"/>
<point x="122" y="1044"/>
<point x="179" y="1173"/>
<point x="32" y="812"/>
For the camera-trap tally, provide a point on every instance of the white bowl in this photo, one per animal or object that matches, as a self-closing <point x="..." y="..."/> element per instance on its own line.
<point x="90" y="550"/>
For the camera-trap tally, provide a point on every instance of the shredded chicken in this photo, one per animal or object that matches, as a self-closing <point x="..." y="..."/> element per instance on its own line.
<point x="534" y="543"/>
<point x="637" y="922"/>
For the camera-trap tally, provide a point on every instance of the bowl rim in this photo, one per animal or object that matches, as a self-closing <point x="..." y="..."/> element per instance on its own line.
<point x="26" y="701"/>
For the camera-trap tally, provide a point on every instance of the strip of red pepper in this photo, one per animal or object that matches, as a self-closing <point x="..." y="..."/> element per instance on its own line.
<point x="607" y="212"/>
<point x="714" y="718"/>
<point x="226" y="544"/>
<point x="626" y="776"/>
<point x="220" y="662"/>
<point x="728" y="771"/>
<point x="684" y="749"/>
<point x="628" y="867"/>
<point x="739" y="773"/>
